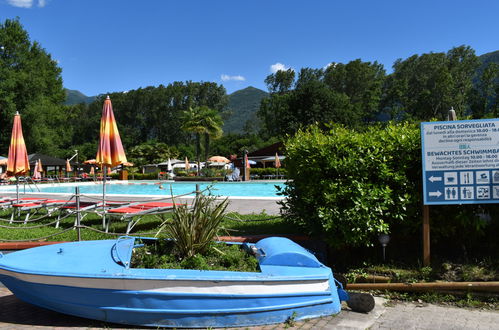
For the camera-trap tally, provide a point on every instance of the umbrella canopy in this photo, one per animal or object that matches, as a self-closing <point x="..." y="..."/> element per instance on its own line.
<point x="218" y="159"/>
<point x="277" y="161"/>
<point x="92" y="171"/>
<point x="246" y="162"/>
<point x="68" y="166"/>
<point x="17" y="163"/>
<point x="187" y="165"/>
<point x="90" y="161"/>
<point x="40" y="167"/>
<point x="110" y="152"/>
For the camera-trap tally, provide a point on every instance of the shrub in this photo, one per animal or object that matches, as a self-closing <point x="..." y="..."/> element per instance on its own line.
<point x="348" y="186"/>
<point x="192" y="229"/>
<point x="268" y="171"/>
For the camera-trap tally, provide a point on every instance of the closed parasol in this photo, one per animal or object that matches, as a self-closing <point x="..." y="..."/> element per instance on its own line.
<point x="110" y="152"/>
<point x="68" y="166"/>
<point x="17" y="163"/>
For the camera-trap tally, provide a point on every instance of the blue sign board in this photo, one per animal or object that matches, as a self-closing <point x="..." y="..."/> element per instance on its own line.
<point x="460" y="161"/>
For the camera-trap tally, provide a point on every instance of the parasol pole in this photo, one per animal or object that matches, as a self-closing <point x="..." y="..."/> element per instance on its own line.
<point x="17" y="190"/>
<point x="104" y="174"/>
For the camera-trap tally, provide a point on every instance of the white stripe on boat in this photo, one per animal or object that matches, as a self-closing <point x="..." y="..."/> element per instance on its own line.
<point x="179" y="286"/>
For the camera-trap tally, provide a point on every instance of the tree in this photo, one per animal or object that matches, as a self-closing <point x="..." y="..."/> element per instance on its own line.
<point x="348" y="94"/>
<point x="427" y="86"/>
<point x="485" y="94"/>
<point x="151" y="152"/>
<point x="281" y="81"/>
<point x="31" y="83"/>
<point x="362" y="82"/>
<point x="202" y="121"/>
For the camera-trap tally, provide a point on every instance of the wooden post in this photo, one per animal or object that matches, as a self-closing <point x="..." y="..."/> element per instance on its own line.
<point x="426" y="235"/>
<point x="451" y="115"/>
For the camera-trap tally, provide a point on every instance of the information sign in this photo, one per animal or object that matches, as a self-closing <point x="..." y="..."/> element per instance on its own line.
<point x="460" y="161"/>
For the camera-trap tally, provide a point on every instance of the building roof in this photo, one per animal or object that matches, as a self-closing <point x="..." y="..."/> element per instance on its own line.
<point x="268" y="150"/>
<point x="46" y="160"/>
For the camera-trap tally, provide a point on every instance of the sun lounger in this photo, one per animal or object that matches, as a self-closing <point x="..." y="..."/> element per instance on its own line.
<point x="7" y="202"/>
<point x="71" y="208"/>
<point x="32" y="207"/>
<point x="133" y="213"/>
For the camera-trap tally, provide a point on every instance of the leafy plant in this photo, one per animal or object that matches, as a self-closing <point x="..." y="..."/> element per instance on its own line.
<point x="193" y="229"/>
<point x="349" y="186"/>
<point x="162" y="254"/>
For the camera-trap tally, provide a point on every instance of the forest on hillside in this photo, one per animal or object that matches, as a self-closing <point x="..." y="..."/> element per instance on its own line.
<point x="152" y="120"/>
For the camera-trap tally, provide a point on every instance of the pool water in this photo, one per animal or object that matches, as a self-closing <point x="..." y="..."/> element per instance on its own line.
<point x="230" y="189"/>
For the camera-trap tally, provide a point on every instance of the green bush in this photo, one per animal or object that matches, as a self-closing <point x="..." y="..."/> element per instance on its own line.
<point x="267" y="171"/>
<point x="349" y="186"/>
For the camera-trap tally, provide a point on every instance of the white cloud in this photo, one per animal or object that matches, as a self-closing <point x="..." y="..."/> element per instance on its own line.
<point x="21" y="3"/>
<point x="27" y="3"/>
<point x="278" y="67"/>
<point x="226" y="77"/>
<point x="333" y="64"/>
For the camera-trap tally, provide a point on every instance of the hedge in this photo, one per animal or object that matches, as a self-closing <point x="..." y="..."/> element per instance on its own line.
<point x="347" y="186"/>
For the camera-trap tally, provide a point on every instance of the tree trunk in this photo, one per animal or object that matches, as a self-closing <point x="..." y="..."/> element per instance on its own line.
<point x="198" y="151"/>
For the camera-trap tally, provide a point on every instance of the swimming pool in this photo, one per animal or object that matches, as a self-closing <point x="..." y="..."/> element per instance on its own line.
<point x="229" y="189"/>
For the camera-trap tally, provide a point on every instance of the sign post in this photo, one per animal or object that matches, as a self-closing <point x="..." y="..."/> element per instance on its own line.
<point x="460" y="166"/>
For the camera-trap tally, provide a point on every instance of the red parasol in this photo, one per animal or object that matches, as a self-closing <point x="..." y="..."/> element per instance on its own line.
<point x="110" y="152"/>
<point x="17" y="163"/>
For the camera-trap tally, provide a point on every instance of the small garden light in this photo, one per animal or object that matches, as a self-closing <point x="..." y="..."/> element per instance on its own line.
<point x="384" y="239"/>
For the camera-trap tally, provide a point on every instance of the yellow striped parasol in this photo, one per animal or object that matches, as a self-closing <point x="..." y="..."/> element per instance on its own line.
<point x="17" y="162"/>
<point x="68" y="166"/>
<point x="110" y="152"/>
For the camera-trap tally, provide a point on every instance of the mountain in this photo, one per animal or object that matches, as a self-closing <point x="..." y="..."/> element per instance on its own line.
<point x="243" y="105"/>
<point x="489" y="58"/>
<point x="77" y="97"/>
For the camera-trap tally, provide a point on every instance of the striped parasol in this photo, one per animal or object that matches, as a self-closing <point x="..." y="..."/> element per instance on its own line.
<point x="17" y="163"/>
<point x="36" y="171"/>
<point x="110" y="152"/>
<point x="277" y="161"/>
<point x="68" y="166"/>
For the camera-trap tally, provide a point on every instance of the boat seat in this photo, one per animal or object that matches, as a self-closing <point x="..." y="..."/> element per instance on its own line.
<point x="280" y="251"/>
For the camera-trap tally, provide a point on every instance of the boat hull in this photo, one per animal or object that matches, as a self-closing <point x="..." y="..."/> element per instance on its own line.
<point x="179" y="298"/>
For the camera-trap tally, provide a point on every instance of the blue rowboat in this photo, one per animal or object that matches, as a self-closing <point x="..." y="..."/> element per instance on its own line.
<point x="93" y="279"/>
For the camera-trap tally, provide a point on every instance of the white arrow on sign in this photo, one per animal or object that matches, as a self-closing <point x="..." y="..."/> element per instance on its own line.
<point x="435" y="193"/>
<point x="435" y="178"/>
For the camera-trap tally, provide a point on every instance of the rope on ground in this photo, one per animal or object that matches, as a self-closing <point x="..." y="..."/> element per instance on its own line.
<point x="37" y="239"/>
<point x="115" y="234"/>
<point x="31" y="227"/>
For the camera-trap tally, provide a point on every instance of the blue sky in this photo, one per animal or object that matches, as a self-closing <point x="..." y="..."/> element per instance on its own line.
<point x="119" y="45"/>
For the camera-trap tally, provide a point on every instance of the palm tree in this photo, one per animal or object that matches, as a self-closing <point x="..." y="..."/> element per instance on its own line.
<point x="202" y="121"/>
